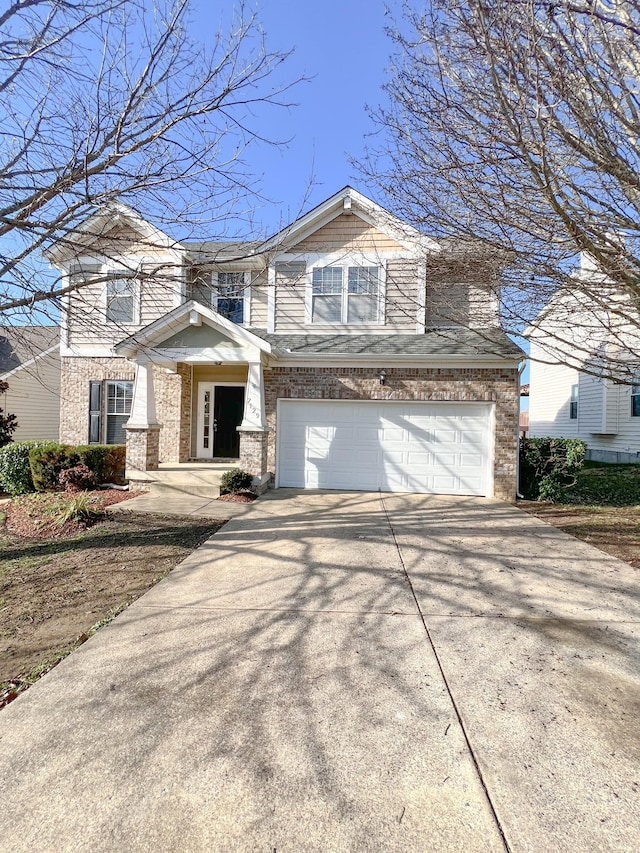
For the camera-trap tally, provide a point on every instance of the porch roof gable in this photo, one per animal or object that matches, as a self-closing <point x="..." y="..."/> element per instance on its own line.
<point x="188" y="314"/>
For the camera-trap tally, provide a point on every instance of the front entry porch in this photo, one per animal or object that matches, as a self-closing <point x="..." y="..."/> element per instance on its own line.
<point x="198" y="395"/>
<point x="200" y="479"/>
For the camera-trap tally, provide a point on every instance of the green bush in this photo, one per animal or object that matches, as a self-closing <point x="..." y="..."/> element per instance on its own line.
<point x="107" y="461"/>
<point x="15" y="470"/>
<point x="48" y="461"/>
<point x="236" y="481"/>
<point x="549" y="466"/>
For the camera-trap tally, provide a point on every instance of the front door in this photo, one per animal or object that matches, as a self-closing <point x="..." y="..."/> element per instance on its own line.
<point x="220" y="411"/>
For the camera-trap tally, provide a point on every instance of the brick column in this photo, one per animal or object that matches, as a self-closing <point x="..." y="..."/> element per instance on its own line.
<point x="253" y="456"/>
<point x="143" y="445"/>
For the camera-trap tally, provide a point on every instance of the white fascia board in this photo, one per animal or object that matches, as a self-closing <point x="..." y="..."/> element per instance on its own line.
<point x="377" y="360"/>
<point x="112" y="214"/>
<point x="180" y="318"/>
<point x="28" y="363"/>
<point x="363" y="207"/>
<point x="88" y="351"/>
<point x="207" y="355"/>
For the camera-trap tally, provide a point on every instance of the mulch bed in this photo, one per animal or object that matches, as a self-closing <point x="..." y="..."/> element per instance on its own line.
<point x="238" y="498"/>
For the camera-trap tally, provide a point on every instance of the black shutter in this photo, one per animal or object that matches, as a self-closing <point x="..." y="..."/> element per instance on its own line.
<point x="95" y="412"/>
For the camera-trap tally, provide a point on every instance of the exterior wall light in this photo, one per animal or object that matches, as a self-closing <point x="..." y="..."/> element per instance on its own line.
<point x="382" y="376"/>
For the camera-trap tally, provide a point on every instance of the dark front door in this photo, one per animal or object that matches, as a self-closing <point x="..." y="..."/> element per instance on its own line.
<point x="228" y="408"/>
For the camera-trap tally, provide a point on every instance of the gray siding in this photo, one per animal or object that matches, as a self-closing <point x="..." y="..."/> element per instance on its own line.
<point x="34" y="397"/>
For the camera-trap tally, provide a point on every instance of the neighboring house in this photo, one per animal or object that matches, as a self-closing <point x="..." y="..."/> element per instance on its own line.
<point x="585" y="371"/>
<point x="30" y="363"/>
<point x="325" y="357"/>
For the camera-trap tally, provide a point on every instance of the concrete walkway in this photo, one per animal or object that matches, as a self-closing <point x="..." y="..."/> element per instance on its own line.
<point x="341" y="672"/>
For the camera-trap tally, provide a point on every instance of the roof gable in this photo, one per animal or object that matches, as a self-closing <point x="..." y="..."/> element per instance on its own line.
<point x="166" y="331"/>
<point x="20" y="345"/>
<point x="347" y="203"/>
<point x="101" y="226"/>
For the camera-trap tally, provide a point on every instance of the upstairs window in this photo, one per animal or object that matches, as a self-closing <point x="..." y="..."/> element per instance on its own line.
<point x="225" y="292"/>
<point x="121" y="298"/>
<point x="229" y="296"/>
<point x="573" y="403"/>
<point x="345" y="294"/>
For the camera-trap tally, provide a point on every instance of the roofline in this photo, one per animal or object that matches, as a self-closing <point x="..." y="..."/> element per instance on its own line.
<point x="30" y="361"/>
<point x="324" y="208"/>
<point x="146" y="336"/>
<point x="385" y="359"/>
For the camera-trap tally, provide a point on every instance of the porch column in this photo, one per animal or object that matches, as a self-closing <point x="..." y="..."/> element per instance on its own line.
<point x="143" y="429"/>
<point x="254" y="417"/>
<point x="253" y="429"/>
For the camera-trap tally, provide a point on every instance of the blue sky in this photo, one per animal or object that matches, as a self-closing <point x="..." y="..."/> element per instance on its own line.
<point x="341" y="46"/>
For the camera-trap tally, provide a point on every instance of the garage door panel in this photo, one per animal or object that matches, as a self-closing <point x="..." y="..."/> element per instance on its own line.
<point x="441" y="448"/>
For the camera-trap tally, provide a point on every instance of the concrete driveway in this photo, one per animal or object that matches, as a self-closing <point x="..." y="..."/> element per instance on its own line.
<point x="346" y="672"/>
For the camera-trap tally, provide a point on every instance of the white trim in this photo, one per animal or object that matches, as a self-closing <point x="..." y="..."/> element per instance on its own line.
<point x="132" y="275"/>
<point x="214" y="385"/>
<point x="421" y="309"/>
<point x="345" y="261"/>
<point x="363" y="207"/>
<point x="178" y="319"/>
<point x="271" y="299"/>
<point x="378" y="360"/>
<point x="29" y="362"/>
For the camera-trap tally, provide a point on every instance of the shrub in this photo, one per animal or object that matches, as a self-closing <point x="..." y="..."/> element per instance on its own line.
<point x="77" y="478"/>
<point x="549" y="466"/>
<point x="235" y="481"/>
<point x="15" y="470"/>
<point x="48" y="461"/>
<point x="107" y="461"/>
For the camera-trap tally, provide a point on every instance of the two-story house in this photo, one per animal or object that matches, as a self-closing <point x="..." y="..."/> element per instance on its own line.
<point x="348" y="351"/>
<point x="585" y="367"/>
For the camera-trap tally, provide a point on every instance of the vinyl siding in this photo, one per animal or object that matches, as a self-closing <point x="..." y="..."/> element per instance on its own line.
<point x="259" y="299"/>
<point x="550" y="395"/>
<point x="350" y="233"/>
<point x="290" y="296"/>
<point x="34" y="397"/>
<point x="401" y="309"/>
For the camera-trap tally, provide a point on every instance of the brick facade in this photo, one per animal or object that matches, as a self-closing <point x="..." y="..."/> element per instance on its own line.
<point x="497" y="385"/>
<point x="173" y="403"/>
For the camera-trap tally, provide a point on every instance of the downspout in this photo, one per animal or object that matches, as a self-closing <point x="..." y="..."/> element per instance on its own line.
<point x="518" y="495"/>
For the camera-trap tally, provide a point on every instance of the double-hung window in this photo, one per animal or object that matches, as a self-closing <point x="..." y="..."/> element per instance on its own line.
<point x="573" y="403"/>
<point x="109" y="410"/>
<point x="118" y="410"/>
<point x="229" y="296"/>
<point x="345" y="294"/>
<point x="121" y="298"/>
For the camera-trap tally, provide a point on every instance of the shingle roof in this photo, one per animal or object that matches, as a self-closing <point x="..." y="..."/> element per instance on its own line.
<point x="19" y="344"/>
<point x="436" y="342"/>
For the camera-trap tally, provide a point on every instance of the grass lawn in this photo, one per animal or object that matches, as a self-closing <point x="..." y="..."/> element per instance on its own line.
<point x="603" y="508"/>
<point x="61" y="581"/>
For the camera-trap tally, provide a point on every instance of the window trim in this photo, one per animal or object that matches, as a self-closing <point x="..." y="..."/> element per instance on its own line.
<point x="107" y="414"/>
<point x="133" y="275"/>
<point x="635" y="394"/>
<point x="345" y="262"/>
<point x="574" y="399"/>
<point x="246" y="293"/>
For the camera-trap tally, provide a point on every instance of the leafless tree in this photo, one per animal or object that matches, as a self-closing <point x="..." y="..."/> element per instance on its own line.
<point x="104" y="100"/>
<point x="513" y="127"/>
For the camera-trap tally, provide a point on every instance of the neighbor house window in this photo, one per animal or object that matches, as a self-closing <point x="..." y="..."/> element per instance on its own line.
<point x="345" y="294"/>
<point x="635" y="398"/>
<point x="118" y="410"/>
<point x="121" y="297"/>
<point x="573" y="404"/>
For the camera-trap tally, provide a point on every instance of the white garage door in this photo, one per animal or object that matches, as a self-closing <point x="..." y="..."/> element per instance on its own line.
<point x="442" y="448"/>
